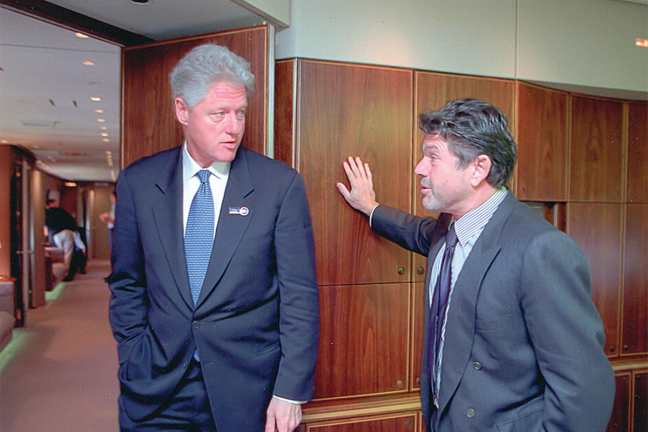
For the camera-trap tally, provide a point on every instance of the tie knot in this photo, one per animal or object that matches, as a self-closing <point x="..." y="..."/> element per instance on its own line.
<point x="204" y="175"/>
<point x="451" y="236"/>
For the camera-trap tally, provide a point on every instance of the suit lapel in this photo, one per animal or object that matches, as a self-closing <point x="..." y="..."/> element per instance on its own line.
<point x="460" y="327"/>
<point x="167" y="212"/>
<point x="231" y="227"/>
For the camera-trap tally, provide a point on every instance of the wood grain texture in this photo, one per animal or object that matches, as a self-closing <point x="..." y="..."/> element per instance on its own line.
<point x="351" y="110"/>
<point x="597" y="150"/>
<point x="432" y="92"/>
<point x="635" y="286"/>
<point x="418" y="329"/>
<point x="638" y="152"/>
<point x="619" y="421"/>
<point x="596" y="227"/>
<point x="640" y="401"/>
<point x="542" y="138"/>
<point x="284" y="115"/>
<point x="363" y="341"/>
<point x="404" y="422"/>
<point x="148" y="119"/>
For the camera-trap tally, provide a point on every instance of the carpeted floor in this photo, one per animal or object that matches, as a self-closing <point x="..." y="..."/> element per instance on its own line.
<point x="59" y="373"/>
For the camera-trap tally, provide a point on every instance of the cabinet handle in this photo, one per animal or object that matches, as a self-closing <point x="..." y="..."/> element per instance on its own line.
<point x="400" y="384"/>
<point x="401" y="270"/>
<point x="408" y="422"/>
<point x="612" y="349"/>
<point x="420" y="270"/>
<point x="626" y="347"/>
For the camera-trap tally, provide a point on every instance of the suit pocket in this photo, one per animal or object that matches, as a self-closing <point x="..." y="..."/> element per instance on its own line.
<point x="529" y="418"/>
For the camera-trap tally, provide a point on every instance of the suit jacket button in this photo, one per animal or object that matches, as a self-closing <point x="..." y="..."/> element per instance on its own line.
<point x="470" y="413"/>
<point x="195" y="324"/>
<point x="477" y="365"/>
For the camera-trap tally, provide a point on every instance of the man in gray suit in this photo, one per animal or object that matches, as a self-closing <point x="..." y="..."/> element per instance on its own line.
<point x="515" y="343"/>
<point x="214" y="295"/>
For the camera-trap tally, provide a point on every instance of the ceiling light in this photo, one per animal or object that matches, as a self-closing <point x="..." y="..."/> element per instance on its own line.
<point x="88" y="63"/>
<point x="643" y="43"/>
<point x="99" y="111"/>
<point x="95" y="99"/>
<point x="103" y="128"/>
<point x="106" y="140"/>
<point x="100" y="120"/>
<point x="104" y="134"/>
<point x="4" y="141"/>
<point x="81" y="35"/>
<point x="69" y="184"/>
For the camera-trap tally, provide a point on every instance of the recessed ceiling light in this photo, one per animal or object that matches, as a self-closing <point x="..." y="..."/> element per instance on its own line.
<point x="101" y="120"/>
<point x="4" y="141"/>
<point x="643" y="43"/>
<point x="81" y="35"/>
<point x="103" y="128"/>
<point x="99" y="111"/>
<point x="106" y="140"/>
<point x="88" y="63"/>
<point x="104" y="134"/>
<point x="95" y="99"/>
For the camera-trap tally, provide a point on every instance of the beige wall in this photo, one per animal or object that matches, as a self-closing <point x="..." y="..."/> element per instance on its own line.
<point x="576" y="42"/>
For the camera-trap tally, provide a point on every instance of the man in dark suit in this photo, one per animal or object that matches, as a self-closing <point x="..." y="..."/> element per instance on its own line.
<point x="225" y="339"/>
<point x="513" y="341"/>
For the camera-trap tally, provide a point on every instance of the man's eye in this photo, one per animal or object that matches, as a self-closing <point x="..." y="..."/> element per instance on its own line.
<point x="240" y="114"/>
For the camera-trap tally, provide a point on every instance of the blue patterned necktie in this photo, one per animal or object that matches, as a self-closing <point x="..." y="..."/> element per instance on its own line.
<point x="438" y="308"/>
<point x="199" y="234"/>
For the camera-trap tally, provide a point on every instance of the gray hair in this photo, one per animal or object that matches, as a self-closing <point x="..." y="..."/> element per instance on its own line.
<point x="206" y="65"/>
<point x="472" y="128"/>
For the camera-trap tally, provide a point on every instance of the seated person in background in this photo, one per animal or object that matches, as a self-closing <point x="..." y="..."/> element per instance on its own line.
<point x="62" y="231"/>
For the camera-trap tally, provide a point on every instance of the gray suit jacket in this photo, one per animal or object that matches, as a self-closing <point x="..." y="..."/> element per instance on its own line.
<point x="523" y="342"/>
<point x="256" y="322"/>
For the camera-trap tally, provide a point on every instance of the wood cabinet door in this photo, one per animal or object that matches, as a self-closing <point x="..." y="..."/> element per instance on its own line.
<point x="635" y="283"/>
<point x="542" y="139"/>
<point x="148" y="116"/>
<point x="596" y="227"/>
<point x="418" y="333"/>
<point x="640" y="401"/>
<point x="364" y="339"/>
<point x="352" y="110"/>
<point x="597" y="150"/>
<point x="405" y="422"/>
<point x="637" y="152"/>
<point x="620" y="419"/>
<point x="431" y="93"/>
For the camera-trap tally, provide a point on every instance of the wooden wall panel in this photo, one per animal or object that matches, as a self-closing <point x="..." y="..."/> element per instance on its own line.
<point x="638" y="152"/>
<point x="431" y="93"/>
<point x="640" y="421"/>
<point x="363" y="348"/>
<point x="596" y="228"/>
<point x="418" y="330"/>
<point x="406" y="422"/>
<point x="284" y="115"/>
<point x="148" y="119"/>
<point x="351" y="110"/>
<point x="619" y="420"/>
<point x="597" y="150"/>
<point x="635" y="286"/>
<point x="542" y="138"/>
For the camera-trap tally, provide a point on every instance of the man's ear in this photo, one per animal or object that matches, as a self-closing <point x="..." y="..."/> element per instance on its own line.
<point x="481" y="168"/>
<point x="181" y="110"/>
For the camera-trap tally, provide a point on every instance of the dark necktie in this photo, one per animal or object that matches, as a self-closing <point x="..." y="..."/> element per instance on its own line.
<point x="199" y="234"/>
<point x="438" y="307"/>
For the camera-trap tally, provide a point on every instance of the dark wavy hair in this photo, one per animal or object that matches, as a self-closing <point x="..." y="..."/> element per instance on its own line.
<point x="471" y="128"/>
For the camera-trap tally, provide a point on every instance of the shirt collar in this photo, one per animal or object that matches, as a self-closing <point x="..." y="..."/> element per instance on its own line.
<point x="190" y="167"/>
<point x="475" y="220"/>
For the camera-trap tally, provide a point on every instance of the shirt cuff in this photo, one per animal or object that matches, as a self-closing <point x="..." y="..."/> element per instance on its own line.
<point x="289" y="400"/>
<point x="371" y="215"/>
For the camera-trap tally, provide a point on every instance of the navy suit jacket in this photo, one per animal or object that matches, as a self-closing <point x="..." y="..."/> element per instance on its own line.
<point x="256" y="322"/>
<point x="523" y="342"/>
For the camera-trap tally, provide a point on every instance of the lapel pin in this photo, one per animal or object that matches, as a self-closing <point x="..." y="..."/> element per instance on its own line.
<point x="242" y="211"/>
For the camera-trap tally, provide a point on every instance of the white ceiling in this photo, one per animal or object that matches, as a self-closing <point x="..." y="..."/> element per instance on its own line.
<point x="45" y="89"/>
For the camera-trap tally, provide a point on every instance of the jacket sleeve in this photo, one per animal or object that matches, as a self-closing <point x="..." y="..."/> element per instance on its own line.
<point x="567" y="334"/>
<point x="299" y="297"/>
<point x="411" y="232"/>
<point x="129" y="301"/>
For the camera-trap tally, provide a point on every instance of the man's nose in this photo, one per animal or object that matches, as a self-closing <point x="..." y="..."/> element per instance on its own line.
<point x="234" y="124"/>
<point x="419" y="169"/>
